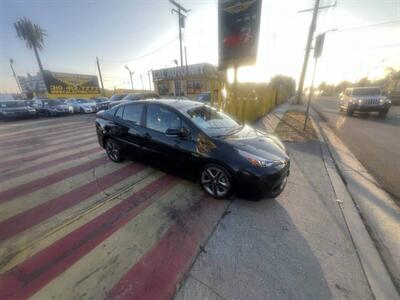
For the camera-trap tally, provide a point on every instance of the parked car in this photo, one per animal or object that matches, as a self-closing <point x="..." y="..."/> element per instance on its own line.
<point x="364" y="99"/>
<point x="135" y="97"/>
<point x="82" y="105"/>
<point x="51" y="107"/>
<point x="117" y="97"/>
<point x="15" y="109"/>
<point x="29" y="102"/>
<point x="102" y="103"/>
<point x="204" y="97"/>
<point x="228" y="156"/>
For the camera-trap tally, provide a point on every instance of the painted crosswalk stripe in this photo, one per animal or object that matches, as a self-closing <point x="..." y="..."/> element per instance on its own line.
<point x="62" y="160"/>
<point x="37" y="271"/>
<point x="29" y="218"/>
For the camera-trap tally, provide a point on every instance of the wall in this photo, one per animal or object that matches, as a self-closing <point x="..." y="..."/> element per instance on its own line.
<point x="251" y="101"/>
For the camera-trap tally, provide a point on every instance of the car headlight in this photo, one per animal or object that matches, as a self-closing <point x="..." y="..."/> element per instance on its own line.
<point x="258" y="161"/>
<point x="384" y="100"/>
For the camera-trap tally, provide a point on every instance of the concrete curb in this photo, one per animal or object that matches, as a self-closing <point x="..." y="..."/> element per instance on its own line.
<point x="378" y="277"/>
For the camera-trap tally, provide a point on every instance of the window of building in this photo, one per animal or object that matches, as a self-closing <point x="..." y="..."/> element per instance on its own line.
<point x="194" y="86"/>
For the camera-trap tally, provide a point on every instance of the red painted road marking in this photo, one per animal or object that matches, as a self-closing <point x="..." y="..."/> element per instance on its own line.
<point x="32" y="139"/>
<point x="40" y="144"/>
<point x="37" y="214"/>
<point x="27" y="278"/>
<point x="23" y="159"/>
<point x="40" y="140"/>
<point x="50" y="163"/>
<point x="159" y="271"/>
<point x="37" y="184"/>
<point x="45" y="131"/>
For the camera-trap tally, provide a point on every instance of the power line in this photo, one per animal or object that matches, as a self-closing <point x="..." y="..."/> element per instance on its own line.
<point x="142" y="56"/>
<point x="370" y="25"/>
<point x="386" y="46"/>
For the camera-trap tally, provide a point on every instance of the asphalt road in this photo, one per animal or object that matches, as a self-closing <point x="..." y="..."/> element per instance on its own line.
<point x="374" y="141"/>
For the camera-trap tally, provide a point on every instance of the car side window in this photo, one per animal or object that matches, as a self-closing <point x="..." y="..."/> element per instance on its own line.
<point x="119" y="112"/>
<point x="133" y="113"/>
<point x="160" y="118"/>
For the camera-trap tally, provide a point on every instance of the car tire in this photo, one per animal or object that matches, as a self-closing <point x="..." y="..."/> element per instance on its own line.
<point x="216" y="181"/>
<point x="81" y="110"/>
<point x="383" y="113"/>
<point x="349" y="111"/>
<point x="113" y="151"/>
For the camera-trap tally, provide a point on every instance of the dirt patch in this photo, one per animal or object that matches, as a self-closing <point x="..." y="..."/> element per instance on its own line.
<point x="291" y="128"/>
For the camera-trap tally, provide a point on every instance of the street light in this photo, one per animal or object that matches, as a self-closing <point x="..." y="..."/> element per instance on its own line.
<point x="130" y="75"/>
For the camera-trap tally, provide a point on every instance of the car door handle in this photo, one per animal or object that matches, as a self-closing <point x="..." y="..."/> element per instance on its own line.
<point x="147" y="136"/>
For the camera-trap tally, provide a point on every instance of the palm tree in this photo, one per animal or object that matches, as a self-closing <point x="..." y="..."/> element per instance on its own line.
<point x="33" y="35"/>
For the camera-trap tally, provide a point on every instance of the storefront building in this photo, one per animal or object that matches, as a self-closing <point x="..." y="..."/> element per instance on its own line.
<point x="188" y="80"/>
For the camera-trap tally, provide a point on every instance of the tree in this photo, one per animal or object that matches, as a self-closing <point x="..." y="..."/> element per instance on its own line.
<point x="33" y="35"/>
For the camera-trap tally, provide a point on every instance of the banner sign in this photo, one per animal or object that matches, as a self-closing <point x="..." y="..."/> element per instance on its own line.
<point x="319" y="45"/>
<point x="180" y="72"/>
<point x="65" y="84"/>
<point x="239" y="26"/>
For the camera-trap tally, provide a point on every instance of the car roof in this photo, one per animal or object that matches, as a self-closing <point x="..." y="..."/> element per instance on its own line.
<point x="181" y="105"/>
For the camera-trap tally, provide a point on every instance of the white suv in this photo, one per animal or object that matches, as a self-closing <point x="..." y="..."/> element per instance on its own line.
<point x="364" y="99"/>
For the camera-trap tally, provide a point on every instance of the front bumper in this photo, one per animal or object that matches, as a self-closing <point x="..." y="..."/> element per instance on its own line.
<point x="18" y="114"/>
<point x="370" y="108"/>
<point x="268" y="183"/>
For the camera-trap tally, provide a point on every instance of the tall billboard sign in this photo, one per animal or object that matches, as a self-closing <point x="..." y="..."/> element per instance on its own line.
<point x="239" y="26"/>
<point x="71" y="85"/>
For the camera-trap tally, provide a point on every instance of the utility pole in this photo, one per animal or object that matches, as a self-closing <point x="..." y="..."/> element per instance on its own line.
<point x="101" y="77"/>
<point x="311" y="31"/>
<point x="187" y="70"/>
<point x="181" y="22"/>
<point x="130" y="75"/>
<point x="15" y="75"/>
<point x="148" y="74"/>
<point x="141" y="79"/>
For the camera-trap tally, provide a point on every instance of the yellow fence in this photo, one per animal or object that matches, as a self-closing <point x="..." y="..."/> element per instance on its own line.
<point x="250" y="102"/>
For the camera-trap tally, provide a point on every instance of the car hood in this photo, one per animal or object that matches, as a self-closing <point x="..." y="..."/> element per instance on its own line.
<point x="368" y="97"/>
<point x="259" y="143"/>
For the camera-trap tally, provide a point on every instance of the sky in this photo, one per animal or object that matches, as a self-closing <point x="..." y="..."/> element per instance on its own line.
<point x="143" y="36"/>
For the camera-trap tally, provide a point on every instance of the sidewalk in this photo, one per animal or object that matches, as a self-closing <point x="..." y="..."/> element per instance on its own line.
<point x="296" y="246"/>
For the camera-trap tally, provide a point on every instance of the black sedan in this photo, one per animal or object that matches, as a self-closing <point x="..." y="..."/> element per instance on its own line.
<point x="227" y="155"/>
<point x="15" y="109"/>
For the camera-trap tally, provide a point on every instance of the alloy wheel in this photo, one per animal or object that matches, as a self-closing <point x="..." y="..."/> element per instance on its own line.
<point x="113" y="151"/>
<point x="215" y="181"/>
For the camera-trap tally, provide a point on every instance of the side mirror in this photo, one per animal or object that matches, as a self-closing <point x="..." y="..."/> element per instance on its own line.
<point x="180" y="132"/>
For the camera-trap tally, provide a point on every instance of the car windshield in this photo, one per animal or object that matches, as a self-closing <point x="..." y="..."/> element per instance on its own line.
<point x="367" y="92"/>
<point x="12" y="104"/>
<point x="213" y="122"/>
<point x="53" y="102"/>
<point x="117" y="97"/>
<point x="83" y="101"/>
